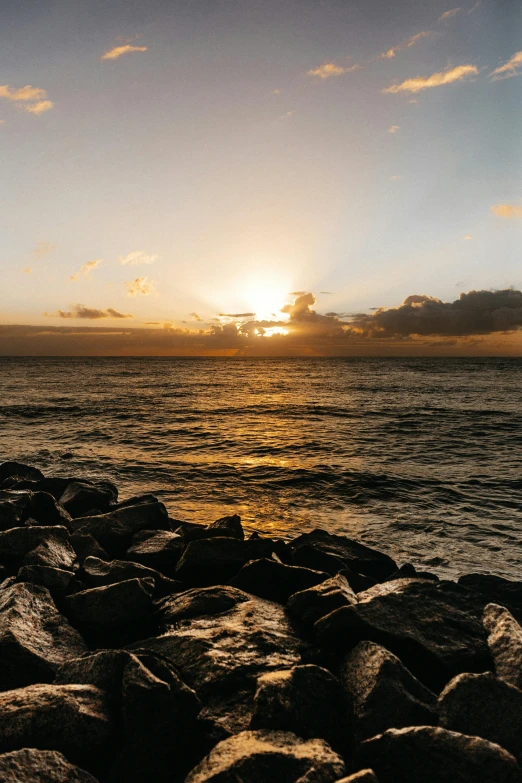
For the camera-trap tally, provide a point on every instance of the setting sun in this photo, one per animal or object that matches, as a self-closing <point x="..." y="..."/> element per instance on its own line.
<point x="265" y="296"/>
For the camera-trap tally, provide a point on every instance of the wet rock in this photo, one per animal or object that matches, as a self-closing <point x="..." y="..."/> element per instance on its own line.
<point x="197" y="603"/>
<point x="275" y="581"/>
<point x="505" y="643"/>
<point x="385" y="694"/>
<point x="355" y="556"/>
<point x="226" y="527"/>
<point x="363" y="776"/>
<point x="9" y="469"/>
<point x="40" y="766"/>
<point x="46" y="546"/>
<point x="80" y="497"/>
<point x="53" y="485"/>
<point x="212" y="561"/>
<point x="307" y="700"/>
<point x="100" y="573"/>
<point x="160" y="551"/>
<point x="55" y="579"/>
<point x="221" y="655"/>
<point x="112" y="609"/>
<point x="114" y="530"/>
<point x="17" y="508"/>
<point x="358" y="582"/>
<point x="430" y="755"/>
<point x="486" y="706"/>
<point x="86" y="546"/>
<point x="278" y="756"/>
<point x="308" y="556"/>
<point x="433" y="627"/>
<point x="496" y="590"/>
<point x="316" y="602"/>
<point x="34" y="637"/>
<point x="72" y="719"/>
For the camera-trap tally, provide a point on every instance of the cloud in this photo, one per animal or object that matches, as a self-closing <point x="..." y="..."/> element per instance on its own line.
<point x="328" y="293"/>
<point x="88" y="313"/>
<point x="28" y="270"/>
<point x="141" y="286"/>
<point x="236" y="315"/>
<point x="119" y="51"/>
<point x="449" y="14"/>
<point x="287" y="115"/>
<point x="137" y="257"/>
<point x="513" y="67"/>
<point x="468" y="236"/>
<point x="391" y="53"/>
<point x="396" y="176"/>
<point x="39" y="108"/>
<point x="195" y="317"/>
<point x="86" y="269"/>
<point x="43" y="249"/>
<point x="327" y="70"/>
<point x="30" y="99"/>
<point x="508" y="211"/>
<point x="419" y="83"/>
<point x="394" y="129"/>
<point x="2" y="122"/>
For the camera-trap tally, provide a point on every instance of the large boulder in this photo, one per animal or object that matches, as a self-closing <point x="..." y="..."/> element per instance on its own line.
<point x="213" y="561"/>
<point x="385" y="694"/>
<point x="195" y="603"/>
<point x="57" y="580"/>
<point x="40" y="766"/>
<point x="221" y="655"/>
<point x="352" y="554"/>
<point x="114" y="530"/>
<point x="274" y="580"/>
<point x="276" y="756"/>
<point x="226" y="527"/>
<point x="316" y="602"/>
<point x="435" y="628"/>
<point x="35" y="639"/>
<point x="100" y="573"/>
<point x="158" y="550"/>
<point x="505" y="643"/>
<point x="18" y="469"/>
<point x="486" y="706"/>
<point x="36" y="545"/>
<point x="18" y="507"/>
<point x="80" y="497"/>
<point x="425" y="754"/>
<point x="307" y="700"/>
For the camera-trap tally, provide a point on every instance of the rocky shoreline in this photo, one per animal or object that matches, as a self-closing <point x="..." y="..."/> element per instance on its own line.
<point x="135" y="647"/>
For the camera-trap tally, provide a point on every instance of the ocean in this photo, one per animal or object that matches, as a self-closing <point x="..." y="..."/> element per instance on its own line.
<point x="419" y="457"/>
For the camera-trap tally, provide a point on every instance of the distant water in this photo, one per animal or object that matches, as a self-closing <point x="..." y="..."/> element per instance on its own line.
<point x="421" y="457"/>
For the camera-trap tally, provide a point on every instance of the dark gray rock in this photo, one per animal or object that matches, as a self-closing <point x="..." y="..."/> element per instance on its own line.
<point x="100" y="573"/>
<point x="44" y="546"/>
<point x="34" y="637"/>
<point x="114" y="530"/>
<point x="17" y="507"/>
<point x="435" y="628"/>
<point x="426" y="754"/>
<point x="316" y="602"/>
<point x="385" y="694"/>
<point x="40" y="766"/>
<point x="226" y="527"/>
<point x="307" y="556"/>
<point x="160" y="551"/>
<point x="80" y="497"/>
<point x="505" y="643"/>
<point x="55" y="579"/>
<point x="213" y="561"/>
<point x="275" y="581"/>
<point x="307" y="700"/>
<point x="86" y="546"/>
<point x="103" y="669"/>
<point x="496" y="590"/>
<point x="358" y="582"/>
<point x="486" y="706"/>
<point x="354" y="555"/>
<point x="114" y="608"/>
<point x="197" y="603"/>
<point x="9" y="469"/>
<point x="363" y="776"/>
<point x="276" y="756"/>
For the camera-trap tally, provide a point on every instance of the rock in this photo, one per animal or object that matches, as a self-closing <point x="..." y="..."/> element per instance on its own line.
<point x="212" y="561"/>
<point x="358" y="582"/>
<point x="307" y="700"/>
<point x="221" y="655"/>
<point x="47" y="546"/>
<point x="103" y="669"/>
<point x="364" y="776"/>
<point x="425" y="754"/>
<point x="34" y="637"/>
<point x="226" y="527"/>
<point x="276" y="756"/>
<point x="55" y="579"/>
<point x="86" y="546"/>
<point x="160" y="551"/>
<point x="433" y="627"/>
<point x="275" y="581"/>
<point x="53" y="485"/>
<point x="496" y="590"/>
<point x="40" y="766"/>
<point x="316" y="602"/>
<point x="17" y="507"/>
<point x="197" y="603"/>
<point x="9" y="469"/>
<point x="308" y="556"/>
<point x="385" y="694"/>
<point x="80" y="497"/>
<point x="114" y="530"/>
<point x="100" y="573"/>
<point x="354" y="555"/>
<point x="505" y="643"/>
<point x="486" y="706"/>
<point x="72" y="719"/>
<point x="123" y="606"/>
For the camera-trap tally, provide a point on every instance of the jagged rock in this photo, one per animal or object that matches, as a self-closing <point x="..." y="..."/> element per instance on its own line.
<point x="221" y="655"/>
<point x="363" y="776"/>
<point x="316" y="602"/>
<point x="45" y="546"/>
<point x="354" y="555"/>
<point x="275" y="581"/>
<point x="114" y="530"/>
<point x="34" y="637"/>
<point x="433" y="627"/>
<point x="53" y="485"/>
<point x="40" y="766"/>
<point x="9" y="469"/>
<point x="100" y="573"/>
<point x="112" y="609"/>
<point x="486" y="706"/>
<point x="276" y="756"/>
<point x="385" y="694"/>
<point x="496" y="590"/>
<point x="307" y="700"/>
<point x="86" y="546"/>
<point x="55" y="579"/>
<point x="408" y="571"/>
<point x="505" y="643"/>
<point x="358" y="582"/>
<point x="80" y="497"/>
<point x="103" y="669"/>
<point x="197" y="603"/>
<point x="136" y="500"/>
<point x="72" y="719"/>
<point x="18" y="507"/>
<point x="226" y="527"/>
<point x="307" y="556"/>
<point x="212" y="561"/>
<point x="160" y="551"/>
<point x="424" y="754"/>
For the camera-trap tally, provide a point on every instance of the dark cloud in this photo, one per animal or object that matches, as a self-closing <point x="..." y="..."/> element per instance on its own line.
<point x="297" y="293"/>
<point x="195" y="317"/>
<point x="327" y="293"/>
<point x="236" y="315"/>
<point x="89" y="313"/>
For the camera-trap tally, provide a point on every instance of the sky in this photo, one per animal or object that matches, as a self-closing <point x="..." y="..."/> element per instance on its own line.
<point x="291" y="177"/>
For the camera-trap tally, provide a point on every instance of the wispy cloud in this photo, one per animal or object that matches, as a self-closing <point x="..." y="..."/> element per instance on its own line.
<point x="327" y="70"/>
<point x="419" y="83"/>
<point x="119" y="51"/>
<point x="28" y="270"/>
<point x="195" y="317"/>
<point x="513" y="67"/>
<point x="394" y="129"/>
<point x="88" y="313"/>
<point x="141" y="286"/>
<point x="449" y="14"/>
<point x="30" y="99"/>
<point x="137" y="257"/>
<point x="38" y="108"/>
<point x="396" y="176"/>
<point x="43" y="249"/>
<point x="391" y="53"/>
<point x="86" y="269"/>
<point x="508" y="211"/>
<point x="468" y="237"/>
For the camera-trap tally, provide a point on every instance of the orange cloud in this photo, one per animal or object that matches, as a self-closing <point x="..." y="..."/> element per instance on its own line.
<point x="86" y="269"/>
<point x="419" y="83"/>
<point x="508" y="211"/>
<point x="327" y="70"/>
<point x="119" y="51"/>
<point x="88" y="313"/>
<point x="35" y="97"/>
<point x="141" y="286"/>
<point x="390" y="54"/>
<point x="511" y="68"/>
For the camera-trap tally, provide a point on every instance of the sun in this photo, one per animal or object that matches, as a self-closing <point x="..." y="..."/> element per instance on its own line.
<point x="265" y="295"/>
